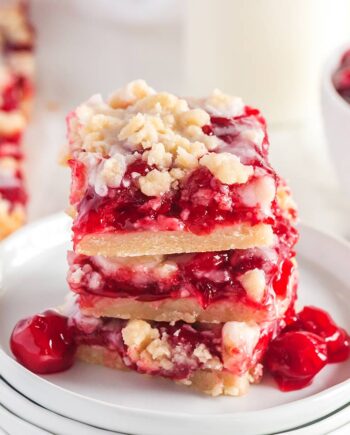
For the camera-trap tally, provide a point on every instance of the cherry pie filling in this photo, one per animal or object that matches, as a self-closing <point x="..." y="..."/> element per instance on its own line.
<point x="13" y="189"/>
<point x="310" y="340"/>
<point x="46" y="343"/>
<point x="208" y="277"/>
<point x="200" y="203"/>
<point x="19" y="89"/>
<point x="341" y="77"/>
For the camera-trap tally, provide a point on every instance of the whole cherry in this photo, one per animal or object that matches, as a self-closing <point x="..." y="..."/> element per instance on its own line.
<point x="318" y="321"/>
<point x="294" y="358"/>
<point x="44" y="343"/>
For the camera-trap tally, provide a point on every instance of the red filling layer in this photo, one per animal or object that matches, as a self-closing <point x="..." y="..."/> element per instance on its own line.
<point x="183" y="335"/>
<point x="14" y="195"/>
<point x="341" y="77"/>
<point x="200" y="203"/>
<point x="310" y="341"/>
<point x="13" y="190"/>
<point x="8" y="149"/>
<point x="46" y="343"/>
<point x="209" y="277"/>
<point x="13" y="95"/>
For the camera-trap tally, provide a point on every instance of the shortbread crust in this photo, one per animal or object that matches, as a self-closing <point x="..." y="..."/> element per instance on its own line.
<point x="211" y="382"/>
<point x="241" y="236"/>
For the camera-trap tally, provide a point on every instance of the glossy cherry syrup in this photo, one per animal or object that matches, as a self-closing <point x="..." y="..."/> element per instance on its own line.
<point x="44" y="343"/>
<point x="319" y="322"/>
<point x="304" y="347"/>
<point x="201" y="203"/>
<point x="294" y="358"/>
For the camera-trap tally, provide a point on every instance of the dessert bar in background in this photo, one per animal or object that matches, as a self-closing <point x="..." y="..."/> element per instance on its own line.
<point x="16" y="95"/>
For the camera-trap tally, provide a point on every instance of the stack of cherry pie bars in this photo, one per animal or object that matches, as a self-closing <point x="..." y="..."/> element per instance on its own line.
<point x="183" y="264"/>
<point x="16" y="92"/>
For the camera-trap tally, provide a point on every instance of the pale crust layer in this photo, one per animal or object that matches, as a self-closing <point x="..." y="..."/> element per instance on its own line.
<point x="212" y="382"/>
<point x="240" y="236"/>
<point x="172" y="310"/>
<point x="11" y="221"/>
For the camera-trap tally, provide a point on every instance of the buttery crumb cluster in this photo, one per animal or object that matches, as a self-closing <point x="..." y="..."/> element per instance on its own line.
<point x="163" y="130"/>
<point x="16" y="93"/>
<point x="183" y="352"/>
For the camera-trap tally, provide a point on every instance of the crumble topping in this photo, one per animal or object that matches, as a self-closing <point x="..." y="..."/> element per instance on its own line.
<point x="236" y="385"/>
<point x="239" y="341"/>
<point x="155" y="183"/>
<point x="138" y="334"/>
<point x="285" y="200"/>
<point x="254" y="135"/>
<point x="227" y="168"/>
<point x="220" y="104"/>
<point x="254" y="283"/>
<point x="112" y="171"/>
<point x="240" y="335"/>
<point x="11" y="122"/>
<point x="132" y="92"/>
<point x="151" y="350"/>
<point x="261" y="192"/>
<point x="144" y="270"/>
<point x="164" y="130"/>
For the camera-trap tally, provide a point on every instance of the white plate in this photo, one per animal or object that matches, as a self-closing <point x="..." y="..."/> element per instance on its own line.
<point x="35" y="414"/>
<point x="42" y="418"/>
<point x="16" y="426"/>
<point x="33" y="277"/>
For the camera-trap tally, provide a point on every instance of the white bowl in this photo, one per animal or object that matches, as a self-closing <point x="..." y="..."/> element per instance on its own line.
<point x="336" y="118"/>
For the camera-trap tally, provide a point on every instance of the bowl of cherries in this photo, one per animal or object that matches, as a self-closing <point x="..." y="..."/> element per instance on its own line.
<point x="336" y="112"/>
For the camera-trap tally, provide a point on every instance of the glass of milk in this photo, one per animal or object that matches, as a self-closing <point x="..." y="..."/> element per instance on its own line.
<point x="267" y="51"/>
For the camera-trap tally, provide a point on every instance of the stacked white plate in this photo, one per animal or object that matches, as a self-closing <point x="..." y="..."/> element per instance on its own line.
<point x="93" y="400"/>
<point x="19" y="415"/>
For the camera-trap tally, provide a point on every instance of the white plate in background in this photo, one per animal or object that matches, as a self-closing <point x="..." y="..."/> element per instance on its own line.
<point x="33" y="278"/>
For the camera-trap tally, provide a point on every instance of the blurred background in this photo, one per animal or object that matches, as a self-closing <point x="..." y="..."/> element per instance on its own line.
<point x="273" y="53"/>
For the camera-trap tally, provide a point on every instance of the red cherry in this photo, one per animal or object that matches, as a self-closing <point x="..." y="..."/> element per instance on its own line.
<point x="319" y="322"/>
<point x="78" y="184"/>
<point x="44" y="343"/>
<point x="294" y="358"/>
<point x="280" y="283"/>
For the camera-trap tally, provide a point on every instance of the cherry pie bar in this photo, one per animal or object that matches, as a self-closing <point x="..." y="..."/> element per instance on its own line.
<point x="12" y="195"/>
<point x="255" y="283"/>
<point x="183" y="263"/>
<point x="16" y="95"/>
<point x="156" y="174"/>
